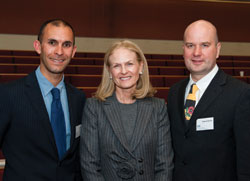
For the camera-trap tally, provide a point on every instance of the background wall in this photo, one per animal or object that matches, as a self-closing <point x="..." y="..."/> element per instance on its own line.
<point x="159" y="23"/>
<point x="86" y="44"/>
<point x="143" y="19"/>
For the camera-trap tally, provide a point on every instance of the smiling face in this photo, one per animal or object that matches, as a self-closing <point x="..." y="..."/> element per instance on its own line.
<point x="124" y="69"/>
<point x="200" y="49"/>
<point x="56" y="49"/>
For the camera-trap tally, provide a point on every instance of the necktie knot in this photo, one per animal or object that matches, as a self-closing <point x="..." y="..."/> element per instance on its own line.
<point x="192" y="92"/>
<point x="55" y="93"/>
<point x="194" y="88"/>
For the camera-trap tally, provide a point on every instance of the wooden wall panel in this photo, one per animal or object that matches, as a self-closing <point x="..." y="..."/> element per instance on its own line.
<point x="143" y="19"/>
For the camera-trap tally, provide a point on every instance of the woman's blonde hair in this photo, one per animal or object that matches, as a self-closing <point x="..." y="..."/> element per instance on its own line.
<point x="107" y="86"/>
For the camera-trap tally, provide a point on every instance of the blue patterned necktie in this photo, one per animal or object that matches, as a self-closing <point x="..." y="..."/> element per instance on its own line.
<point x="58" y="122"/>
<point x="190" y="102"/>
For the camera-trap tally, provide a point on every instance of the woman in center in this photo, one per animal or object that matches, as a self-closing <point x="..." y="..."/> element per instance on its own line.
<point x="125" y="131"/>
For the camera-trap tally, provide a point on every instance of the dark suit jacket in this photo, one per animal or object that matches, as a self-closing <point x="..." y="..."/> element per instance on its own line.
<point x="105" y="152"/>
<point x="222" y="154"/>
<point x="26" y="136"/>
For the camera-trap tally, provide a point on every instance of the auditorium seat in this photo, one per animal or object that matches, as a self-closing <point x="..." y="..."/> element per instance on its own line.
<point x="5" y="52"/>
<point x="156" y="62"/>
<point x="89" y="70"/>
<point x="159" y="56"/>
<point x="24" y="53"/>
<point x="172" y="70"/>
<point x="88" y="90"/>
<point x="243" y="58"/>
<point x="94" y="55"/>
<point x="157" y="81"/>
<point x="25" y="68"/>
<point x="7" y="68"/>
<point x="153" y="70"/>
<point x="82" y="61"/>
<point x="6" y="59"/>
<point x="26" y="60"/>
<point x="162" y="92"/>
<point x="225" y="63"/>
<point x="10" y="77"/>
<point x="1" y="173"/>
<point x="84" y="81"/>
<point x="228" y="70"/>
<point x="1" y="155"/>
<point x="98" y="61"/>
<point x="179" y="63"/>
<point x="244" y="79"/>
<point x="171" y="80"/>
<point x="246" y="71"/>
<point x="241" y="63"/>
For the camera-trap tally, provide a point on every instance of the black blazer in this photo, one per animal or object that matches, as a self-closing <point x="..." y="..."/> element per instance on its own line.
<point x="26" y="136"/>
<point x="222" y="154"/>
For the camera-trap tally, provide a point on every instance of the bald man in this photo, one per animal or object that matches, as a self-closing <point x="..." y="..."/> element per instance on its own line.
<point x="211" y="136"/>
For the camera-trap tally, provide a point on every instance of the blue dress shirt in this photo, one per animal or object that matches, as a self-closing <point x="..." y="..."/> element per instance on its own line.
<point x="46" y="87"/>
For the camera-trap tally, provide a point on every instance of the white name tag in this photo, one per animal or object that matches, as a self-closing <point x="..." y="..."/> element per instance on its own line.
<point x="78" y="130"/>
<point x="204" y="124"/>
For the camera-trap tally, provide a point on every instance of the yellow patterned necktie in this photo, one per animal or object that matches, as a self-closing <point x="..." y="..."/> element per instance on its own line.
<point x="190" y="102"/>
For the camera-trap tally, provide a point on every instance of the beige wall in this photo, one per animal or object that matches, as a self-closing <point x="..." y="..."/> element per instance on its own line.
<point x="25" y="42"/>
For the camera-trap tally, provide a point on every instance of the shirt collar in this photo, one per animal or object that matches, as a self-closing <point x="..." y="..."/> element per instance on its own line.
<point x="203" y="83"/>
<point x="46" y="85"/>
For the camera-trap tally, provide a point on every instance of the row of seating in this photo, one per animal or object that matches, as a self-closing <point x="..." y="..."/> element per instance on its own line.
<point x="99" y="61"/>
<point x="80" y="80"/>
<point x="97" y="69"/>
<point x="101" y="55"/>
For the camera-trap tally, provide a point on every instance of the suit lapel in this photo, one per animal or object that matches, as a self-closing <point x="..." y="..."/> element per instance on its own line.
<point x="144" y="112"/>
<point x="34" y="94"/>
<point x="111" y="108"/>
<point x="212" y="92"/>
<point x="72" y="111"/>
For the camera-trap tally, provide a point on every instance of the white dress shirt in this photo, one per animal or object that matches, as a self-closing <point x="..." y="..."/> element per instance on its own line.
<point x="202" y="84"/>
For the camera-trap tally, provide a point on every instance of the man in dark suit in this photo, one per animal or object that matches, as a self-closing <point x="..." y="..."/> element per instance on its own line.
<point x="212" y="145"/>
<point x="28" y="138"/>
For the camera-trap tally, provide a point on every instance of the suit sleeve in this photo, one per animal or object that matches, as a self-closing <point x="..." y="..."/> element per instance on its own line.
<point x="5" y="110"/>
<point x="242" y="136"/>
<point x="89" y="145"/>
<point x="164" y="153"/>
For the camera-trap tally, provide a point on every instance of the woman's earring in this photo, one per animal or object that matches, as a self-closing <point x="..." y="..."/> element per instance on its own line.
<point x="140" y="73"/>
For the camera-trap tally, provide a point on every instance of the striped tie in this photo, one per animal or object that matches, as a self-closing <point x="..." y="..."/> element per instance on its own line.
<point x="190" y="102"/>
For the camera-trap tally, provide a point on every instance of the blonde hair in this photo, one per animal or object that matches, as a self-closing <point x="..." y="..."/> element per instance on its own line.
<point x="107" y="86"/>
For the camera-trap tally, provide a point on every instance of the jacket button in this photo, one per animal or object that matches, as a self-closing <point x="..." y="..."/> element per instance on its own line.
<point x="141" y="172"/>
<point x="184" y="163"/>
<point x="140" y="160"/>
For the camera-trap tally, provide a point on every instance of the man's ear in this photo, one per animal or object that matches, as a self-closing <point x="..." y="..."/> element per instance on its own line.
<point x="37" y="46"/>
<point x="218" y="47"/>
<point x="74" y="51"/>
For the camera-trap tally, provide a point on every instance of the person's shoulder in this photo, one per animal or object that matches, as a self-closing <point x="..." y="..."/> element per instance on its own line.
<point x="156" y="101"/>
<point x="237" y="84"/>
<point x="14" y="84"/>
<point x="74" y="90"/>
<point x="92" y="101"/>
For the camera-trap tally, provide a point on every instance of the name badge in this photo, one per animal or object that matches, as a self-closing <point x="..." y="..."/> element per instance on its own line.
<point x="204" y="124"/>
<point x="78" y="130"/>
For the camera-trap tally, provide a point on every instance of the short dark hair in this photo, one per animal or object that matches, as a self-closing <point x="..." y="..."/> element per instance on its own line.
<point x="55" y="22"/>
